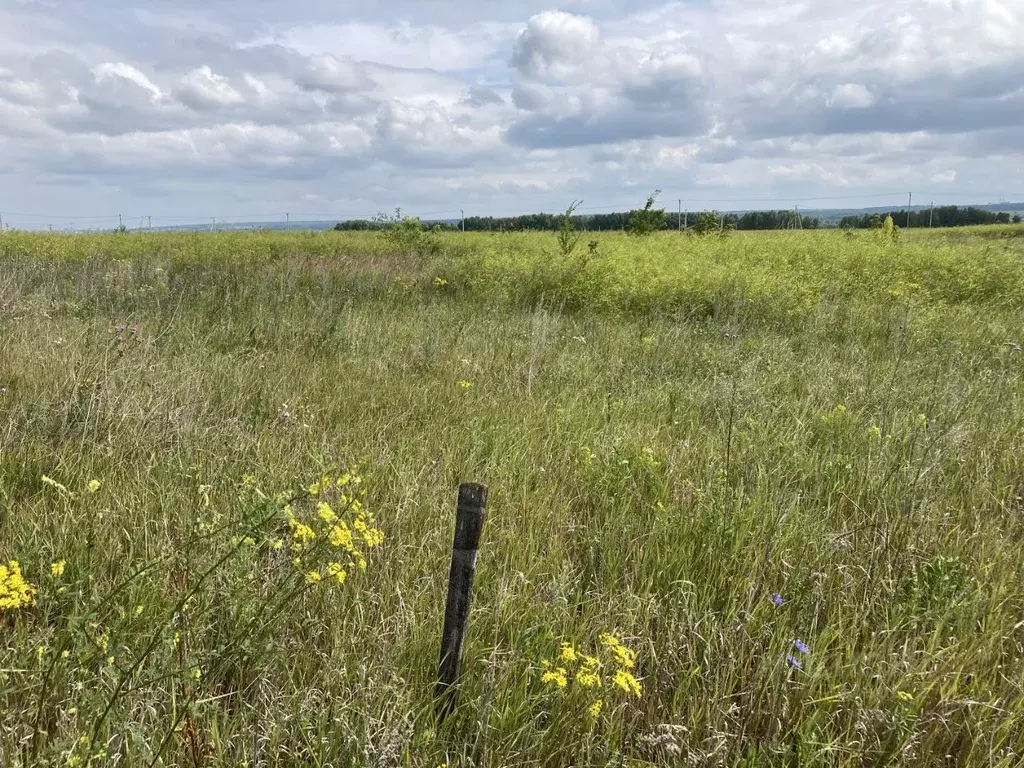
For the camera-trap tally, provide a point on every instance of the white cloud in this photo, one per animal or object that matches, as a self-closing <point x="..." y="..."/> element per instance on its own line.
<point x="127" y="72"/>
<point x="503" y="106"/>
<point x="555" y="45"/>
<point x="851" y="96"/>
<point x="332" y="75"/>
<point x="203" y="89"/>
<point x="399" y="45"/>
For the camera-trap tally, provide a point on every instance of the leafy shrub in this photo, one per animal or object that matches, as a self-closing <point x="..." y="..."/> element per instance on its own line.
<point x="649" y="219"/>
<point x="407" y="234"/>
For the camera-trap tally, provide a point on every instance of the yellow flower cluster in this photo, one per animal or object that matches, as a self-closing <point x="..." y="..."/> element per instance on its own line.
<point x="622" y="655"/>
<point x="626" y="682"/>
<point x="584" y="671"/>
<point x="557" y="676"/>
<point x="15" y="592"/>
<point x="302" y="535"/>
<point x="348" y="538"/>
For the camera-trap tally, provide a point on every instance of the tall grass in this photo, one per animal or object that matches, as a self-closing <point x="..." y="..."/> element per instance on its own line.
<point x="673" y="430"/>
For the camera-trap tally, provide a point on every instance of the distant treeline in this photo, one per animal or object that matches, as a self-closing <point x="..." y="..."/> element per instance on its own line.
<point x="605" y="222"/>
<point x="943" y="216"/>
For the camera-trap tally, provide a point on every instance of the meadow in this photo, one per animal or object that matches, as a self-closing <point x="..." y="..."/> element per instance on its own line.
<point x="755" y="500"/>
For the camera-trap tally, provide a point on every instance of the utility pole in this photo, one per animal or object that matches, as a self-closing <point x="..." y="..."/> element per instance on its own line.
<point x="150" y="220"/>
<point x="287" y="218"/>
<point x="910" y="200"/>
<point x="799" y="221"/>
<point x="931" y="212"/>
<point x="463" y="221"/>
<point x="213" y="226"/>
<point x="679" y="218"/>
<point x="119" y="222"/>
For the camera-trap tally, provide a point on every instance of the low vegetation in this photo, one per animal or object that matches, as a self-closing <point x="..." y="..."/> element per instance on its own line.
<point x="754" y="500"/>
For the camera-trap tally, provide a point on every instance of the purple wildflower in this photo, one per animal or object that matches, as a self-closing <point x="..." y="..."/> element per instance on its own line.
<point x="794" y="662"/>
<point x="801" y="646"/>
<point x="777" y="598"/>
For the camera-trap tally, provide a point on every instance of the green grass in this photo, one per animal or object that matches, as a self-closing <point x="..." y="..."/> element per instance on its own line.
<point x="672" y="430"/>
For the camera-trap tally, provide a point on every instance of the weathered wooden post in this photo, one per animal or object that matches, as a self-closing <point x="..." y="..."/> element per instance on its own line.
<point x="469" y="523"/>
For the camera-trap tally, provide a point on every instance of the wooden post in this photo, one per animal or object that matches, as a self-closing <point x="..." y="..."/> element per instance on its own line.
<point x="469" y="523"/>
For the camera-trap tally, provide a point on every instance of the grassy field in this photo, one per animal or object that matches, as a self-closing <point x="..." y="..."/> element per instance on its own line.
<point x="772" y="483"/>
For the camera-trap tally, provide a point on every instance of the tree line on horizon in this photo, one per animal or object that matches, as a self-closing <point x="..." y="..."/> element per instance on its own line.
<point x="610" y="222"/>
<point x="942" y="216"/>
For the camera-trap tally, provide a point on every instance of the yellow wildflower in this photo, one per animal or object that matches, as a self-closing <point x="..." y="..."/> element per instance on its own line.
<point x="622" y="655"/>
<point x="73" y="761"/>
<point x="337" y="571"/>
<point x="465" y="384"/>
<point x="276" y="544"/>
<point x="93" y="486"/>
<point x="15" y="592"/>
<point x="595" y="709"/>
<point x="302" y="534"/>
<point x="57" y="569"/>
<point x="627" y="682"/>
<point x="371" y="535"/>
<point x="344" y="480"/>
<point x="591" y="662"/>
<point x="588" y="679"/>
<point x="323" y="509"/>
<point x="340" y="536"/>
<point x="567" y="653"/>
<point x="313" y="577"/>
<point x="557" y="677"/>
<point x="320" y="485"/>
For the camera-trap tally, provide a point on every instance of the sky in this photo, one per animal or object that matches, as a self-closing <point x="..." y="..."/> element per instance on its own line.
<point x="189" y="110"/>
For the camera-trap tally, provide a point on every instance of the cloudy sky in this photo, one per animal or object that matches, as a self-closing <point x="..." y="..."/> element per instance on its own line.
<point x="190" y="109"/>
